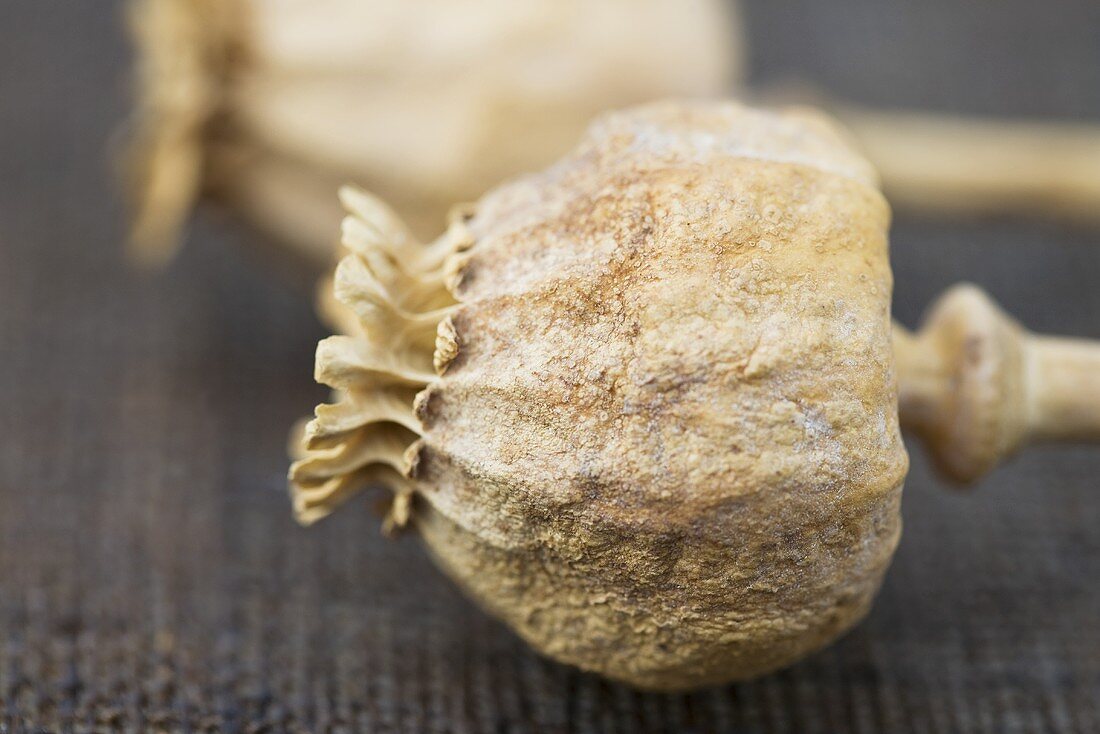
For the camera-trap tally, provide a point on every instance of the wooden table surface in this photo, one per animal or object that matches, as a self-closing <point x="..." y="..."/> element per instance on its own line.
<point x="151" y="577"/>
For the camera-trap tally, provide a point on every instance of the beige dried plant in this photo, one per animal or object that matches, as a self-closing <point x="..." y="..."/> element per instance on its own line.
<point x="269" y="105"/>
<point x="643" y="406"/>
<point x="640" y="406"/>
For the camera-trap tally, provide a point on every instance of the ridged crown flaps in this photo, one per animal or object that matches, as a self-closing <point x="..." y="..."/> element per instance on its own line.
<point x="393" y="291"/>
<point x="184" y="50"/>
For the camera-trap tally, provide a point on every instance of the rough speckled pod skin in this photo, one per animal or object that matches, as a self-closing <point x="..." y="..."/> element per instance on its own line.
<point x="655" y="430"/>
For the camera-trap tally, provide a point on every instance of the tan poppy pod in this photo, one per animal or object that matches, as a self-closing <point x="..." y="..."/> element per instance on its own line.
<point x="641" y="406"/>
<point x="268" y="106"/>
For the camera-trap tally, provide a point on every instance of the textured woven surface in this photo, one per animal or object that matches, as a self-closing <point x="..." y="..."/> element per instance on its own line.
<point x="152" y="579"/>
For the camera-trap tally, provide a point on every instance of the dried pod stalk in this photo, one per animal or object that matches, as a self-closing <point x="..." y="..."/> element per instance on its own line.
<point x="953" y="164"/>
<point x="976" y="386"/>
<point x="269" y="105"/>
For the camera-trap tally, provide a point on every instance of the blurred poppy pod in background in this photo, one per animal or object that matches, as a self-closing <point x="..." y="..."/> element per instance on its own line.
<point x="270" y="106"/>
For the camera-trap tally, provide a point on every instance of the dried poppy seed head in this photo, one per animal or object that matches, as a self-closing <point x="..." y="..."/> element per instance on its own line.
<point x="641" y="406"/>
<point x="269" y="105"/>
